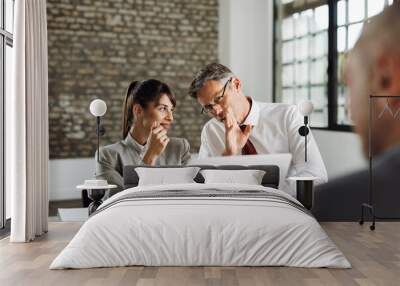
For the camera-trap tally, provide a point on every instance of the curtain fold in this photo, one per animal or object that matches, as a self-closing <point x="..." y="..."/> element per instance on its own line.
<point x="28" y="123"/>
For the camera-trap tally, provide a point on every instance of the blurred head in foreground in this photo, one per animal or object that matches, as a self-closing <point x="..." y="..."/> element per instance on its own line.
<point x="373" y="68"/>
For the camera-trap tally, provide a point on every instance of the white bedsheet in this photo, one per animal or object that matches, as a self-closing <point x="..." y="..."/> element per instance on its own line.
<point x="200" y="231"/>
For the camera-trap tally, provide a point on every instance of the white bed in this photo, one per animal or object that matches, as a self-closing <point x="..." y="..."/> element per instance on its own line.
<point x="184" y="230"/>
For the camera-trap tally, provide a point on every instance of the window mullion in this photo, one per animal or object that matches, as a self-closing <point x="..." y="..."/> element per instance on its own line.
<point x="332" y="64"/>
<point x="2" y="60"/>
<point x="2" y="128"/>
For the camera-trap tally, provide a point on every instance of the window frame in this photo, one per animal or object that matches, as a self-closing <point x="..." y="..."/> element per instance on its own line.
<point x="332" y="70"/>
<point x="6" y="39"/>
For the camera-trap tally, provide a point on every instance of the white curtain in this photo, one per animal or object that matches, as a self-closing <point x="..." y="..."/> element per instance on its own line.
<point x="27" y="123"/>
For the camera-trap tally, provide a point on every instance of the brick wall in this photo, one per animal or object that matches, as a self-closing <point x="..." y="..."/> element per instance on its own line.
<point x="96" y="48"/>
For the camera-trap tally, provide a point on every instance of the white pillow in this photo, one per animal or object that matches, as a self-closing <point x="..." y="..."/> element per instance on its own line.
<point x="249" y="177"/>
<point x="163" y="176"/>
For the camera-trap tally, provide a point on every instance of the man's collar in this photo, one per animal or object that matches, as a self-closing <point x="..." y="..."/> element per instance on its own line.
<point x="130" y="141"/>
<point x="254" y="114"/>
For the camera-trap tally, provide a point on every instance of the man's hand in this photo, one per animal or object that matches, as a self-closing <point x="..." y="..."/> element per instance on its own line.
<point x="156" y="143"/>
<point x="235" y="138"/>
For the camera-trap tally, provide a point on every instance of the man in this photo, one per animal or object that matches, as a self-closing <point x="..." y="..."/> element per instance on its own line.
<point x="373" y="68"/>
<point x="241" y="125"/>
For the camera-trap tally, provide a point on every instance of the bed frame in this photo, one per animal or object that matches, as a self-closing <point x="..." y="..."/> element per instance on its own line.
<point x="270" y="179"/>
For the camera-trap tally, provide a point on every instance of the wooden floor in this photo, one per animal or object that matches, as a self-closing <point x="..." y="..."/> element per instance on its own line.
<point x="375" y="257"/>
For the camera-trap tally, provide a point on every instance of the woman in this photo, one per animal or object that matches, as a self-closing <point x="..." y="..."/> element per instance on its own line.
<point x="147" y="116"/>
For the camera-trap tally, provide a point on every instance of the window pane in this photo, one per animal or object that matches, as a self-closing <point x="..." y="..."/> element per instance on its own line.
<point x="288" y="95"/>
<point x="301" y="73"/>
<point x="340" y="68"/>
<point x="321" y="18"/>
<point x="287" y="52"/>
<point x="375" y="7"/>
<point x="287" y="29"/>
<point x="390" y="2"/>
<point x="319" y="45"/>
<point x="343" y="103"/>
<point x="301" y="94"/>
<point x="319" y="118"/>
<point x="287" y="75"/>
<point x="319" y="97"/>
<point x="8" y="89"/>
<point x="302" y="49"/>
<point x="9" y="9"/>
<point x="8" y="70"/>
<point x="341" y="13"/>
<point x="341" y="39"/>
<point x="301" y="24"/>
<point x="356" y="10"/>
<point x="318" y="72"/>
<point x="342" y="115"/>
<point x="354" y="34"/>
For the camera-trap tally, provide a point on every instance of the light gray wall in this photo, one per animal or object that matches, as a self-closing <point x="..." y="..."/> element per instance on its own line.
<point x="341" y="152"/>
<point x="245" y="34"/>
<point x="66" y="174"/>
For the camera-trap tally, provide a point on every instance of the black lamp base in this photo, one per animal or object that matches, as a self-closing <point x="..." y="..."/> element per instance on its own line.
<point x="304" y="192"/>
<point x="97" y="196"/>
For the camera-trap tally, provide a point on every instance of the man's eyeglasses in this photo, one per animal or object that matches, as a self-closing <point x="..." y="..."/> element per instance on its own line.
<point x="209" y="108"/>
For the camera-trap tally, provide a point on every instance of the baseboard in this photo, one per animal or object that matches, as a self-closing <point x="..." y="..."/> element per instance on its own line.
<point x="5" y="231"/>
<point x="55" y="205"/>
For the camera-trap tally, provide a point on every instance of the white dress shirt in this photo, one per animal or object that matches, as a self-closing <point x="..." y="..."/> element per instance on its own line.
<point x="275" y="130"/>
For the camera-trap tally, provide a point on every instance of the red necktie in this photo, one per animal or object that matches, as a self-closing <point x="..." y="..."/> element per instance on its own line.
<point x="248" y="148"/>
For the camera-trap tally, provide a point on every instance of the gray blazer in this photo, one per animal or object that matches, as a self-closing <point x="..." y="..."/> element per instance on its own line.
<point x="114" y="157"/>
<point x="341" y="199"/>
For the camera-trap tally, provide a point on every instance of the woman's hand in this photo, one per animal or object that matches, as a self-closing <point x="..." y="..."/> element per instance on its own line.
<point x="156" y="143"/>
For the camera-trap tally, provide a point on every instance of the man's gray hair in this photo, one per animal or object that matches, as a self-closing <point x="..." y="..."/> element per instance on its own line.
<point x="213" y="71"/>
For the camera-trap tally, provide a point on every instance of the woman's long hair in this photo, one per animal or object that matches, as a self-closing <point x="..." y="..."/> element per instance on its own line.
<point x="142" y="93"/>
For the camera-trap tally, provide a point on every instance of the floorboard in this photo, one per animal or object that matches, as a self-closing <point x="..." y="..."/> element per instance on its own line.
<point x="375" y="257"/>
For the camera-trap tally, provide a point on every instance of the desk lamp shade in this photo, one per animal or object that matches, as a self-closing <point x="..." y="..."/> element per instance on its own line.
<point x="98" y="107"/>
<point x="306" y="107"/>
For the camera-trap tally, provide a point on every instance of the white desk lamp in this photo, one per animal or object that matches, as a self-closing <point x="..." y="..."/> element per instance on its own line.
<point x="98" y="108"/>
<point x="97" y="188"/>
